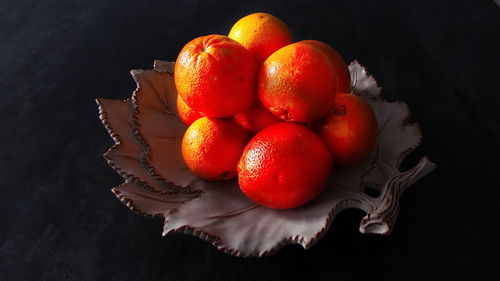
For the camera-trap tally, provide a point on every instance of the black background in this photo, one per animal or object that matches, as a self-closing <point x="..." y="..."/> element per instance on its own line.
<point x="59" y="220"/>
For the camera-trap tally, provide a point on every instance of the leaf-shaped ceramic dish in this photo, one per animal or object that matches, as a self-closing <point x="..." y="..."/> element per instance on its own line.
<point x="148" y="133"/>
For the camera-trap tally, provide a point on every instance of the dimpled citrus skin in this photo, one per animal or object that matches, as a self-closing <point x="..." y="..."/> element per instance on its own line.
<point x="349" y="130"/>
<point x="297" y="83"/>
<point x="262" y="34"/>
<point x="187" y="115"/>
<point x="211" y="148"/>
<point x="344" y="84"/>
<point x="215" y="76"/>
<point x="255" y="118"/>
<point x="284" y="166"/>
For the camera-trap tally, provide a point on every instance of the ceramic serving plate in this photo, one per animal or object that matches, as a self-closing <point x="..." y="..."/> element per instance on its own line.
<point x="147" y="154"/>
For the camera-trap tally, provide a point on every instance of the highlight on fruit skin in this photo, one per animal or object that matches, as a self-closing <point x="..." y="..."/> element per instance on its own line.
<point x="255" y="118"/>
<point x="284" y="166"/>
<point x="349" y="130"/>
<point x="215" y="76"/>
<point x="211" y="148"/>
<point x="341" y="68"/>
<point x="262" y="34"/>
<point x="187" y="115"/>
<point x="297" y="83"/>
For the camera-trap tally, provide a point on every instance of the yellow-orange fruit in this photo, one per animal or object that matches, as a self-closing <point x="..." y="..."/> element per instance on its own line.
<point x="255" y="118"/>
<point x="215" y="76"/>
<point x="284" y="166"/>
<point x="262" y="34"/>
<point x="297" y="83"/>
<point x="349" y="131"/>
<point x="211" y="148"/>
<point x="187" y="115"/>
<point x="344" y="84"/>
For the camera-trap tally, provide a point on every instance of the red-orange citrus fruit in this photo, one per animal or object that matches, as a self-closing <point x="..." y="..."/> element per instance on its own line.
<point x="349" y="131"/>
<point x="339" y="65"/>
<point x="262" y="34"/>
<point x="297" y="83"/>
<point x="187" y="115"/>
<point x="284" y="166"/>
<point x="211" y="148"/>
<point x="215" y="76"/>
<point x="255" y="118"/>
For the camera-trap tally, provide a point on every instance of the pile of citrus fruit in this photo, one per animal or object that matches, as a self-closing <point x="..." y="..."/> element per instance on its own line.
<point x="276" y="114"/>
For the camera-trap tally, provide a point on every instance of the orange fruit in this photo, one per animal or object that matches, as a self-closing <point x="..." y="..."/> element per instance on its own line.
<point x="255" y="118"/>
<point x="349" y="130"/>
<point x="215" y="76"/>
<point x="211" y="148"/>
<point x="284" y="166"/>
<point x="339" y="65"/>
<point x="297" y="83"/>
<point x="262" y="34"/>
<point x="187" y="115"/>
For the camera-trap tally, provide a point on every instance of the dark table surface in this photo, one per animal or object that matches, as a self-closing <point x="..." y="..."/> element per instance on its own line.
<point x="59" y="220"/>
